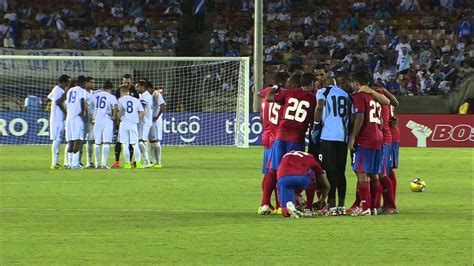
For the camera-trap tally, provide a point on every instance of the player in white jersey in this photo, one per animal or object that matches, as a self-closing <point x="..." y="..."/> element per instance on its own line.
<point x="76" y="113"/>
<point x="105" y="112"/>
<point x="57" y="96"/>
<point x="156" y="132"/>
<point x="145" y="124"/>
<point x="89" y="123"/>
<point x="130" y="112"/>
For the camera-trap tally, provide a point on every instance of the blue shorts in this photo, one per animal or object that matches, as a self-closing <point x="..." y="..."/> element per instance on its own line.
<point x="266" y="157"/>
<point x="366" y="160"/>
<point x="395" y="147"/>
<point x="287" y="186"/>
<point x="279" y="149"/>
<point x="386" y="165"/>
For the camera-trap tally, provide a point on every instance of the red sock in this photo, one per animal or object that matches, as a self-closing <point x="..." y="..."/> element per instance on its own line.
<point x="375" y="192"/>
<point x="284" y="212"/>
<point x="269" y="186"/>
<point x="364" y="191"/>
<point x="263" y="181"/>
<point x="310" y="191"/>
<point x="357" y="200"/>
<point x="393" y="178"/>
<point x="277" y="200"/>
<point x="387" y="192"/>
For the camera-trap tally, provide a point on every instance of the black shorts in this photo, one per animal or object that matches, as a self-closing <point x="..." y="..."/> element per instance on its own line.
<point x="314" y="149"/>
<point x="333" y="155"/>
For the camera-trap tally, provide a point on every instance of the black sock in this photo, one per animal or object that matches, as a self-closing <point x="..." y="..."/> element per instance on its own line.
<point x="118" y="150"/>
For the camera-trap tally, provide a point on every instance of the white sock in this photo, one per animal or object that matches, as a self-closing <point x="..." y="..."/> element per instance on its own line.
<point x="126" y="153"/>
<point x="55" y="151"/>
<point x="105" y="153"/>
<point x="79" y="159"/>
<point x="136" y="150"/>
<point x="158" y="153"/>
<point x="75" y="158"/>
<point x="144" y="151"/>
<point x="89" y="152"/>
<point x="69" y="159"/>
<point x="66" y="154"/>
<point x="153" y="151"/>
<point x="97" y="154"/>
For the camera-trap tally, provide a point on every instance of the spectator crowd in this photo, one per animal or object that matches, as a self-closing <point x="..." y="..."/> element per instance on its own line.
<point x="412" y="47"/>
<point x="126" y="25"/>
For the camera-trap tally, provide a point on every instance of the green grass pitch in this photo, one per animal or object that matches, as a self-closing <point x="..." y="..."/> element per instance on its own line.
<point x="201" y="209"/>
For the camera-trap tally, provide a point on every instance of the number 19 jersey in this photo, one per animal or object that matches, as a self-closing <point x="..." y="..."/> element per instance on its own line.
<point x="370" y="135"/>
<point x="297" y="110"/>
<point x="129" y="107"/>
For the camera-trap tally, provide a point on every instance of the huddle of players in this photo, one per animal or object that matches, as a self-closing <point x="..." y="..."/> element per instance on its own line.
<point x="83" y="114"/>
<point x="344" y="113"/>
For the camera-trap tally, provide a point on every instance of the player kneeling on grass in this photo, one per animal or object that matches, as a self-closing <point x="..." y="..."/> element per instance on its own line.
<point x="131" y="111"/>
<point x="105" y="110"/>
<point x="300" y="171"/>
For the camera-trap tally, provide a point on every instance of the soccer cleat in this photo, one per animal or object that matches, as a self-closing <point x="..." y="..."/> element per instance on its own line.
<point x="56" y="167"/>
<point x="139" y="165"/>
<point x="264" y="210"/>
<point x="127" y="166"/>
<point x="104" y="167"/>
<point x="351" y="210"/>
<point x="76" y="167"/>
<point x="157" y="166"/>
<point x="308" y="213"/>
<point x="361" y="212"/>
<point x="294" y="213"/>
<point x="116" y="164"/>
<point x="390" y="211"/>
<point x="90" y="165"/>
<point x="66" y="166"/>
<point x="341" y="210"/>
<point x="81" y="165"/>
<point x="148" y="165"/>
<point x="374" y="211"/>
<point x="133" y="164"/>
<point x="276" y="211"/>
<point x="333" y="211"/>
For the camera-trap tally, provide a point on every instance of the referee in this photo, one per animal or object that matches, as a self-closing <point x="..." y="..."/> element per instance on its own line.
<point x="331" y="127"/>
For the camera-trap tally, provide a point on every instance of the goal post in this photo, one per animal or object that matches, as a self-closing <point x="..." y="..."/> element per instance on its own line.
<point x="207" y="98"/>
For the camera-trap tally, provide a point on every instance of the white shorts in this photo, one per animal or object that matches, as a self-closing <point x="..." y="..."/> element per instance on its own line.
<point x="128" y="133"/>
<point x="156" y="132"/>
<point x="89" y="130"/>
<point x="103" y="132"/>
<point x="75" y="129"/>
<point x="143" y="131"/>
<point x="56" y="130"/>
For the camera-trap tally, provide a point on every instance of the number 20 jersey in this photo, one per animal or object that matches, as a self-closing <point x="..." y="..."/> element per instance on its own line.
<point x="297" y="110"/>
<point x="370" y="135"/>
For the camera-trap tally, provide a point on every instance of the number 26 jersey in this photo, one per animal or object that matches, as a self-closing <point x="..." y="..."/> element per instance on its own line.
<point x="297" y="110"/>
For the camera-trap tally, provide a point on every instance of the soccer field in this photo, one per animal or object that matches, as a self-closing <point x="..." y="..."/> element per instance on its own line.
<point x="201" y="208"/>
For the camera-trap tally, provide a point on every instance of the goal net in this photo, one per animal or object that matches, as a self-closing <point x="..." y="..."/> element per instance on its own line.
<point x="207" y="99"/>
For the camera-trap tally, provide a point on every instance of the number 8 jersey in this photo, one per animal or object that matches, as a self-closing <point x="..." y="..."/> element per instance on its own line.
<point x="370" y="135"/>
<point x="128" y="108"/>
<point x="297" y="113"/>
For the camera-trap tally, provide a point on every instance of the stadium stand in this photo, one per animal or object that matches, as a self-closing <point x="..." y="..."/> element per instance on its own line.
<point x="347" y="35"/>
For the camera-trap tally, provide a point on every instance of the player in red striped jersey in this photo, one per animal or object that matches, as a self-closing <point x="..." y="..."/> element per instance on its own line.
<point x="269" y="113"/>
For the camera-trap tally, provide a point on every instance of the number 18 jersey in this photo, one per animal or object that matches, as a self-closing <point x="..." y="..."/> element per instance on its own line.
<point x="336" y="113"/>
<point x="370" y="135"/>
<point x="129" y="107"/>
<point x="297" y="110"/>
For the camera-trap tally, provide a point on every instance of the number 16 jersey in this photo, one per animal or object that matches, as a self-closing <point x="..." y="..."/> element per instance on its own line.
<point x="297" y="113"/>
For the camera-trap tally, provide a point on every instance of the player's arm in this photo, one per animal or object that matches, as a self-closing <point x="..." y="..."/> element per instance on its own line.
<point x="358" y="121"/>
<point x="60" y="103"/>
<point x="270" y="97"/>
<point x="83" y="108"/>
<point x="379" y="97"/>
<point x="162" y="109"/>
<point x="318" y="111"/>
<point x="141" y="114"/>
<point x="391" y="98"/>
<point x="324" y="186"/>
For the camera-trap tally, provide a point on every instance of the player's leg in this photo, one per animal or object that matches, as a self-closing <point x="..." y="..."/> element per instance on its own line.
<point x="392" y="176"/>
<point x="276" y="153"/>
<point x="341" y="161"/>
<point x="124" y="139"/>
<point x="117" y="148"/>
<point x="375" y="193"/>
<point x="56" y="135"/>
<point x="136" y="149"/>
<point x="387" y="192"/>
<point x="89" y="144"/>
<point x="157" y="146"/>
<point x="108" y="135"/>
<point x="144" y="132"/>
<point x="361" y="166"/>
<point x="266" y="157"/>
<point x="287" y="197"/>
<point x="328" y="162"/>
<point x="98" y="143"/>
